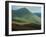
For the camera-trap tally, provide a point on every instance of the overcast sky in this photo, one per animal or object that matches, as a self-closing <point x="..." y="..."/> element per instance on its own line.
<point x="33" y="9"/>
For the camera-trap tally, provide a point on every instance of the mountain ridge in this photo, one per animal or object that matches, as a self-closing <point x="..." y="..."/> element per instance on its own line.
<point x="25" y="15"/>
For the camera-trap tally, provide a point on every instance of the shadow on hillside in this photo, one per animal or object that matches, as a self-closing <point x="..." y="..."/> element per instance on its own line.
<point x="16" y="27"/>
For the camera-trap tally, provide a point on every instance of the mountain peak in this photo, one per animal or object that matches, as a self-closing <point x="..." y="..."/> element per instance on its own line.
<point x="21" y="12"/>
<point x="23" y="9"/>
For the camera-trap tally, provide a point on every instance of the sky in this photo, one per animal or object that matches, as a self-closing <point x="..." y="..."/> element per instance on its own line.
<point x="32" y="9"/>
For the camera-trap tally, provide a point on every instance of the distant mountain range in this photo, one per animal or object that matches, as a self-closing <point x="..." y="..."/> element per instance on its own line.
<point x="38" y="14"/>
<point x="23" y="16"/>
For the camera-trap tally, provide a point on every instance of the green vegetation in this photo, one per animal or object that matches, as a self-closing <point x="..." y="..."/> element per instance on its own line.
<point x="24" y="18"/>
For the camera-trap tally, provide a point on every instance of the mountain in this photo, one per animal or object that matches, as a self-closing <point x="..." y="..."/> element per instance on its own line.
<point x="38" y="14"/>
<point x="20" y="12"/>
<point x="24" y="16"/>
